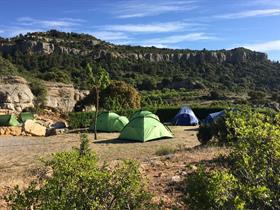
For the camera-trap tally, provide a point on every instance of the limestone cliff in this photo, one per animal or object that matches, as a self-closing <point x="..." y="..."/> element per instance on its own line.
<point x="15" y="95"/>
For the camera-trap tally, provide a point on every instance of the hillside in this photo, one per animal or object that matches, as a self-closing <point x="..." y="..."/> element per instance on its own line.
<point x="59" y="56"/>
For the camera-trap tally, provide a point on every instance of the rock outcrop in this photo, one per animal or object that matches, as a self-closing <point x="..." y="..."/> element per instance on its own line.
<point x="15" y="94"/>
<point x="62" y="96"/>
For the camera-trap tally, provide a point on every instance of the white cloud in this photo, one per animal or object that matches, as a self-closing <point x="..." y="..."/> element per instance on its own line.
<point x="62" y="22"/>
<point x="265" y="46"/>
<point x="179" y="38"/>
<point x="139" y="8"/>
<point x="250" y="13"/>
<point x="14" y="30"/>
<point x="1" y="31"/>
<point x="149" y="28"/>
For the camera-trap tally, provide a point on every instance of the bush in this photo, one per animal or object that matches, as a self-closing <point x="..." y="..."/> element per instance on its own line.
<point x="39" y="90"/>
<point x="120" y="95"/>
<point x="210" y="190"/>
<point x="78" y="182"/>
<point x="253" y="165"/>
<point x="116" y="97"/>
<point x="80" y="119"/>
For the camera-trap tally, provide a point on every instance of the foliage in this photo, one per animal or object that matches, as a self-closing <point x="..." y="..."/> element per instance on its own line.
<point x="117" y="96"/>
<point x="120" y="95"/>
<point x="257" y="95"/>
<point x="7" y="68"/>
<point x="80" y="119"/>
<point x="210" y="190"/>
<point x="253" y="164"/>
<point x="200" y="70"/>
<point x="97" y="79"/>
<point x="216" y="94"/>
<point x="78" y="182"/>
<point x="39" y="90"/>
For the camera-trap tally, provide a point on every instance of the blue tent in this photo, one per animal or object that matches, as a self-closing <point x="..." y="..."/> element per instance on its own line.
<point x="213" y="117"/>
<point x="185" y="117"/>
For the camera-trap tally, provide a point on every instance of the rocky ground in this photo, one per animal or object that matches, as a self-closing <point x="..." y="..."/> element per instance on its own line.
<point x="19" y="159"/>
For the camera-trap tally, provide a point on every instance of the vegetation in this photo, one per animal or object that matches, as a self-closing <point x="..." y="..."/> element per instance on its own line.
<point x="98" y="79"/>
<point x="39" y="90"/>
<point x="203" y="69"/>
<point x="7" y="68"/>
<point x="74" y="180"/>
<point x="120" y="95"/>
<point x="249" y="177"/>
<point x="80" y="119"/>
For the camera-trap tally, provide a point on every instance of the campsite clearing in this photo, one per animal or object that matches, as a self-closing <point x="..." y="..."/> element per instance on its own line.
<point x="19" y="156"/>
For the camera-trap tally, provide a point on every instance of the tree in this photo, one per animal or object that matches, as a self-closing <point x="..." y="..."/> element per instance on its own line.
<point x="98" y="79"/>
<point x="120" y="95"/>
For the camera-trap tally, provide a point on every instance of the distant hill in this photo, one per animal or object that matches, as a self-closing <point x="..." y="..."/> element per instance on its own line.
<point x="62" y="57"/>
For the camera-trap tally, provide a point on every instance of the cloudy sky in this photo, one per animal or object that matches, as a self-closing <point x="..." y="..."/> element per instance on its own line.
<point x="193" y="24"/>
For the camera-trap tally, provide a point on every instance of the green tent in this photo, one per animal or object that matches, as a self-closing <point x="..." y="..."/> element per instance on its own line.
<point x="8" y="120"/>
<point x="145" y="128"/>
<point x="26" y="116"/>
<point x="110" y="122"/>
<point x="142" y="113"/>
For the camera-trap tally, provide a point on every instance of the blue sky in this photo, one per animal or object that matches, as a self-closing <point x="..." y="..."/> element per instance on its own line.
<point x="192" y="24"/>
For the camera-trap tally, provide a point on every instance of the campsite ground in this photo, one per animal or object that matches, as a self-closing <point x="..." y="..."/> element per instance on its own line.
<point x="20" y="157"/>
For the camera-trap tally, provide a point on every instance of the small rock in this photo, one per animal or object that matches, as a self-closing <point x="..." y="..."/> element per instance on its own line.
<point x="176" y="178"/>
<point x="184" y="173"/>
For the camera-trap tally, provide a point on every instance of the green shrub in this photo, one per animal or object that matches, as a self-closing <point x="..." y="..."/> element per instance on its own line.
<point x="119" y="95"/>
<point x="210" y="190"/>
<point x="40" y="92"/>
<point x="77" y="181"/>
<point x="80" y="119"/>
<point x="253" y="164"/>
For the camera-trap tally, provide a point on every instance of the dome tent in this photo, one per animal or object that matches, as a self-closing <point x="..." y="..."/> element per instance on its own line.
<point x="185" y="117"/>
<point x="9" y="120"/>
<point x="145" y="128"/>
<point x="142" y="113"/>
<point x="110" y="122"/>
<point x="213" y="117"/>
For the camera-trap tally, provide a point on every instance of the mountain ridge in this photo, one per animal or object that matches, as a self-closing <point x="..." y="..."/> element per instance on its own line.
<point x="54" y="55"/>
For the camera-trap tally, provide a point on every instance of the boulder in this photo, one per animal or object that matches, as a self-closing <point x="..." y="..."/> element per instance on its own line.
<point x="34" y="128"/>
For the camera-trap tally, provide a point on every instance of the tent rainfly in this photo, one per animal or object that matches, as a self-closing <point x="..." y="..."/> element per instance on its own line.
<point x="9" y="120"/>
<point x="142" y="113"/>
<point x="145" y="128"/>
<point x="110" y="122"/>
<point x="26" y="116"/>
<point x="185" y="117"/>
<point x="213" y="117"/>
